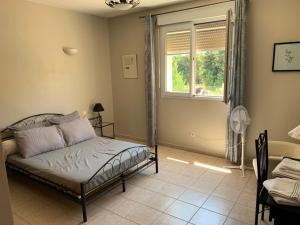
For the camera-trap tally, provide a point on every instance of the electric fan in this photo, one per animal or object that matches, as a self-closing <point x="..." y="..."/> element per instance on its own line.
<point x="239" y="120"/>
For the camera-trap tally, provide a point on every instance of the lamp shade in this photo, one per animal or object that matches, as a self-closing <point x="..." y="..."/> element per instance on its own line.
<point x="98" y="107"/>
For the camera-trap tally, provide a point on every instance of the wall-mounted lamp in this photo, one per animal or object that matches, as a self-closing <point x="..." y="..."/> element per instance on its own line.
<point x="70" y="51"/>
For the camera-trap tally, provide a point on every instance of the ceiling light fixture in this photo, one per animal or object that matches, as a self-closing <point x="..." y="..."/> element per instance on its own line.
<point x="122" y="4"/>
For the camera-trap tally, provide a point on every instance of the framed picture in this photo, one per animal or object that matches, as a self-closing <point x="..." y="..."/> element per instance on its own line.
<point x="286" y="57"/>
<point x="129" y="66"/>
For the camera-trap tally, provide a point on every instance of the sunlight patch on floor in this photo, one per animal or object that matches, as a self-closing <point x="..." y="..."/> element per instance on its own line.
<point x="215" y="168"/>
<point x="203" y="165"/>
<point x="177" y="160"/>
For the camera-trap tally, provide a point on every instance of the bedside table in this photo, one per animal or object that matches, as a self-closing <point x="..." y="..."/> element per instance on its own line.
<point x="102" y="125"/>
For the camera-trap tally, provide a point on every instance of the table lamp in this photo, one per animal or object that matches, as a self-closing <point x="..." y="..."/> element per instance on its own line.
<point x="98" y="108"/>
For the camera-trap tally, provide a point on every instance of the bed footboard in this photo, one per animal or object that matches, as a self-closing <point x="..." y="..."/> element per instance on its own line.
<point x="117" y="169"/>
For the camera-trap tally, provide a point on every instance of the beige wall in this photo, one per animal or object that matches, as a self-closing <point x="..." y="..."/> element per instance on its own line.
<point x="36" y="76"/>
<point x="272" y="98"/>
<point x="177" y="118"/>
<point x="126" y="37"/>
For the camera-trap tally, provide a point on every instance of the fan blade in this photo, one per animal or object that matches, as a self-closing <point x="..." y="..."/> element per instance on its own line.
<point x="238" y="126"/>
<point x="243" y="115"/>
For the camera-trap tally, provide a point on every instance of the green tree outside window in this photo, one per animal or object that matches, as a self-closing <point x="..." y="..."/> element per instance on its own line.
<point x="209" y="71"/>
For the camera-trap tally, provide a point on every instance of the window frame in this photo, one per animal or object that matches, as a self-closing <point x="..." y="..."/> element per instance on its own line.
<point x="163" y="68"/>
<point x="163" y="57"/>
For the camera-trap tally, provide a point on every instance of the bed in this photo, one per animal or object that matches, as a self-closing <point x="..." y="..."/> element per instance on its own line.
<point x="85" y="170"/>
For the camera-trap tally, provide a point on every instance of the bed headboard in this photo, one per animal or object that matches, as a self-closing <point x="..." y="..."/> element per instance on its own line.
<point x="39" y="118"/>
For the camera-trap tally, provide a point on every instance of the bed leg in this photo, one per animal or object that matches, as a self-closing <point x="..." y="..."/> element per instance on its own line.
<point x="123" y="183"/>
<point x="83" y="203"/>
<point x="156" y="159"/>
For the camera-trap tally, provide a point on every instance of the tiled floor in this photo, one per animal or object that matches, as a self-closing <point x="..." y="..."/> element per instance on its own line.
<point x="189" y="189"/>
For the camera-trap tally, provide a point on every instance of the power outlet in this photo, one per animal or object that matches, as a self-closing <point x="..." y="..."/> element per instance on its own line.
<point x="193" y="134"/>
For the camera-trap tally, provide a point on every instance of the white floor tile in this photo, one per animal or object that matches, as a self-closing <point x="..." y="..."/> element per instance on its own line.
<point x="218" y="205"/>
<point x="243" y="214"/>
<point x="120" y="206"/>
<point x="227" y="193"/>
<point x="143" y="215"/>
<point x="159" y="202"/>
<point x="171" y="190"/>
<point x="165" y="219"/>
<point x="247" y="199"/>
<point x="182" y="210"/>
<point x="206" y="217"/>
<point x="230" y="221"/>
<point x="193" y="197"/>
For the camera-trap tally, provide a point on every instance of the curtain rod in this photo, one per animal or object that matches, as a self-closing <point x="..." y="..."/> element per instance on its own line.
<point x="195" y="7"/>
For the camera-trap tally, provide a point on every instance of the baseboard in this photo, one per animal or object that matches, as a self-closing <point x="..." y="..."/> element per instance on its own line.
<point x="248" y="162"/>
<point x="189" y="149"/>
<point x="168" y="144"/>
<point x="142" y="140"/>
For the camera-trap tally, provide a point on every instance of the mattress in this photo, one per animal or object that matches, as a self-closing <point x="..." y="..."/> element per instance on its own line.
<point x="71" y="166"/>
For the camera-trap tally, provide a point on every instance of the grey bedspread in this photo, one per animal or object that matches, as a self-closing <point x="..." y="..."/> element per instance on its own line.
<point x="73" y="165"/>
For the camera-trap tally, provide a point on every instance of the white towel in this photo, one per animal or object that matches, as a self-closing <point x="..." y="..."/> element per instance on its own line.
<point x="295" y="133"/>
<point x="284" y="191"/>
<point x="287" y="168"/>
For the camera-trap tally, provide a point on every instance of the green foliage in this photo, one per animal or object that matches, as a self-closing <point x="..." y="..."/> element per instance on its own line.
<point x="210" y="69"/>
<point x="183" y="66"/>
<point x="179" y="84"/>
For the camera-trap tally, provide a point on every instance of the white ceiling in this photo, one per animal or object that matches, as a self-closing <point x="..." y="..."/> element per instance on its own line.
<point x="99" y="8"/>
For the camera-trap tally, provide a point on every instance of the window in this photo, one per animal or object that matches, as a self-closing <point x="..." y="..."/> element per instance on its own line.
<point x="193" y="59"/>
<point x="178" y="60"/>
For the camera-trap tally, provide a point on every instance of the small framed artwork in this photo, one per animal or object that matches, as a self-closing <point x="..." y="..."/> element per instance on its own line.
<point x="129" y="66"/>
<point x="286" y="57"/>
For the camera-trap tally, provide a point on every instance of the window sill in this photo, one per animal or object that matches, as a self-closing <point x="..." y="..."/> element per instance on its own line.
<point x="188" y="97"/>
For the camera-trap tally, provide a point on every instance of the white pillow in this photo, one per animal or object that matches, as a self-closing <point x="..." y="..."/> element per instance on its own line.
<point x="38" y="140"/>
<point x="29" y="126"/>
<point x="77" y="131"/>
<point x="295" y="133"/>
<point x="9" y="147"/>
<point x="64" y="119"/>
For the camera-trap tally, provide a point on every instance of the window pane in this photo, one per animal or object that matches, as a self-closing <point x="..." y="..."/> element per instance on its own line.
<point x="210" y="59"/>
<point x="178" y="61"/>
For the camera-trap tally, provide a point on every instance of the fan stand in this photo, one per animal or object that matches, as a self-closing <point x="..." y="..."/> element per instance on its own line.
<point x="242" y="167"/>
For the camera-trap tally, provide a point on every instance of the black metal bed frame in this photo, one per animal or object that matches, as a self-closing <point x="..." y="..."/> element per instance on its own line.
<point x="119" y="173"/>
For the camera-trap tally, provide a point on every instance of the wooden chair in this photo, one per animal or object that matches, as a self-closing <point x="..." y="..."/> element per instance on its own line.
<point x="261" y="145"/>
<point x="282" y="214"/>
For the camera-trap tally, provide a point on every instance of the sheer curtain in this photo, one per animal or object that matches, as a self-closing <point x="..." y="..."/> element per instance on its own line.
<point x="150" y="87"/>
<point x="237" y="74"/>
